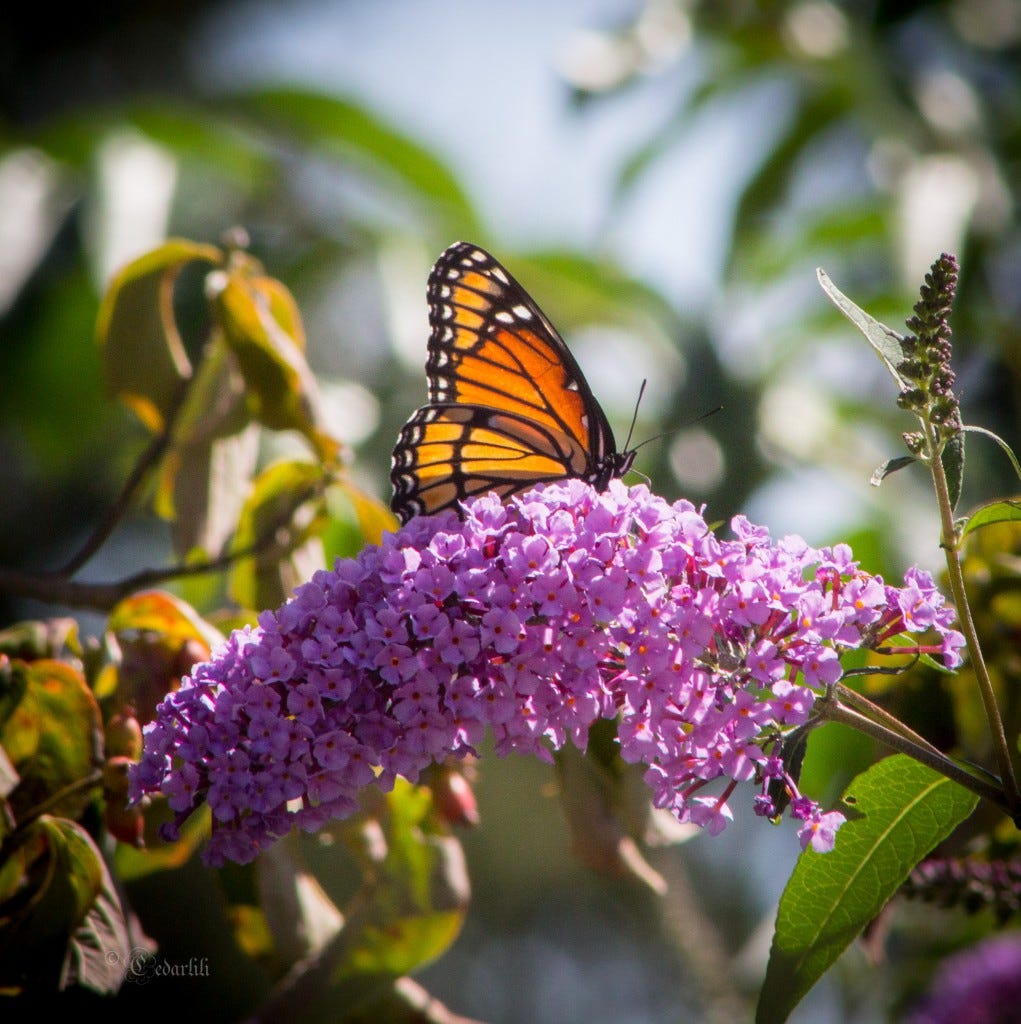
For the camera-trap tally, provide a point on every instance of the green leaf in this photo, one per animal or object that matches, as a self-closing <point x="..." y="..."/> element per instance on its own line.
<point x="144" y="361"/>
<point x="198" y="135"/>
<point x="1006" y="511"/>
<point x="13" y="683"/>
<point x="417" y="905"/>
<point x="100" y="947"/>
<point x="580" y="290"/>
<point x="283" y="517"/>
<point x="606" y="811"/>
<point x="298" y="914"/>
<point x="39" y="638"/>
<point x="373" y="517"/>
<point x="901" y="810"/>
<point x="767" y="190"/>
<point x="885" y="342"/>
<point x="9" y="779"/>
<point x="58" y="874"/>
<point x="132" y="863"/>
<point x="952" y="458"/>
<point x="889" y="467"/>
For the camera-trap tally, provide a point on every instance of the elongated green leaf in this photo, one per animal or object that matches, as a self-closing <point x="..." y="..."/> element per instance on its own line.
<point x="901" y="811"/>
<point x="199" y="134"/>
<point x="159" y="612"/>
<point x="159" y="637"/>
<point x="887" y="343"/>
<point x="214" y="451"/>
<point x="1003" y="444"/>
<point x="132" y="863"/>
<point x="766" y="190"/>
<point x="350" y="131"/>
<point x="582" y="290"/>
<point x="952" y="458"/>
<point x="298" y="914"/>
<point x="1007" y="511"/>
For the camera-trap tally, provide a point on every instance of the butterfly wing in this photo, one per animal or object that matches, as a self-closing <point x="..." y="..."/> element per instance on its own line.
<point x="508" y="404"/>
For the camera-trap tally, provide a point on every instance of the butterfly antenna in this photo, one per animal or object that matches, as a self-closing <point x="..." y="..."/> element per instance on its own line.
<point x="634" y="419"/>
<point x="666" y="433"/>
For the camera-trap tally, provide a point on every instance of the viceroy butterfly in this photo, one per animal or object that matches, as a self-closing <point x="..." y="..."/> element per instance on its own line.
<point x="508" y="404"/>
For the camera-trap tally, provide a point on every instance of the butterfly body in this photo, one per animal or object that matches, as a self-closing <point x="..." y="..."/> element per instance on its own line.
<point x="508" y="404"/>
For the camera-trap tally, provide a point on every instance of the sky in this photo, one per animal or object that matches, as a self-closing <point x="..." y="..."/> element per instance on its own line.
<point x="480" y="83"/>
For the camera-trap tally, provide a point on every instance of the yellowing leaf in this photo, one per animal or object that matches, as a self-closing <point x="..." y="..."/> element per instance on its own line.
<point x="374" y="518"/>
<point x="53" y="737"/>
<point x="205" y="473"/>
<point x="144" y="361"/>
<point x="158" y="611"/>
<point x="159" y="638"/>
<point x="263" y="329"/>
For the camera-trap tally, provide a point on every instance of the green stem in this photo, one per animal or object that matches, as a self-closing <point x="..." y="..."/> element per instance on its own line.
<point x="856" y="702"/>
<point x="832" y="710"/>
<point x="949" y="542"/>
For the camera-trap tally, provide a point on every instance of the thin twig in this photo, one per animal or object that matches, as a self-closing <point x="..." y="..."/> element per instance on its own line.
<point x="55" y="588"/>
<point x="146" y="461"/>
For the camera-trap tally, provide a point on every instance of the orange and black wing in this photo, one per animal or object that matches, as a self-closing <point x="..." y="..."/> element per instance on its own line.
<point x="508" y="404"/>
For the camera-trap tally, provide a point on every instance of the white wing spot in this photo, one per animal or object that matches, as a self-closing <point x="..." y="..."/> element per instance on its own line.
<point x="522" y="312"/>
<point x="504" y="317"/>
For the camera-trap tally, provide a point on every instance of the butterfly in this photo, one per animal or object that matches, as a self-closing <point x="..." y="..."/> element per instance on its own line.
<point x="508" y="404"/>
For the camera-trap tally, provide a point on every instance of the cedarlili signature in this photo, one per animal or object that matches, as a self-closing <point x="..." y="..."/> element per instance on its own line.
<point x="142" y="966"/>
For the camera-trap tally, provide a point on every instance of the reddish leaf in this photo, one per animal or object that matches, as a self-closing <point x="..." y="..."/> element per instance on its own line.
<point x="53" y="738"/>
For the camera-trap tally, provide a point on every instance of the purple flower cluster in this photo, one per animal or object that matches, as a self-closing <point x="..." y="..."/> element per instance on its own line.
<point x="533" y="620"/>
<point x="980" y="985"/>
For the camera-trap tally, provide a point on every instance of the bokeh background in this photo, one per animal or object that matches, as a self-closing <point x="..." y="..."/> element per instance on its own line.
<point x="665" y="177"/>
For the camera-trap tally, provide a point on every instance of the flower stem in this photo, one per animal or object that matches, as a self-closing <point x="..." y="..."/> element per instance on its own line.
<point x="830" y="708"/>
<point x="857" y="702"/>
<point x="950" y="542"/>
